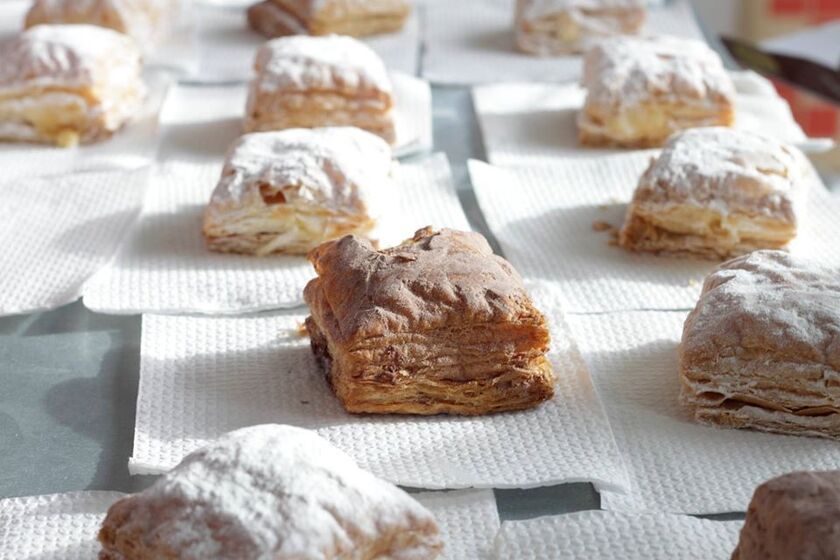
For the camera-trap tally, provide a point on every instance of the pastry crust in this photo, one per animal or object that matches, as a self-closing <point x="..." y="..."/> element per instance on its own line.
<point x="556" y="27"/>
<point x="289" y="191"/>
<point x="642" y="90"/>
<point x="717" y="193"/>
<point x="793" y="516"/>
<point x="68" y="84"/>
<point x="356" y="18"/>
<point x="762" y="348"/>
<point x="306" y="82"/>
<point x="269" y="492"/>
<point x="436" y="325"/>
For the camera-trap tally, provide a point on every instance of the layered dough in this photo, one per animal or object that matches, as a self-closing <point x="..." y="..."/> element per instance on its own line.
<point x="273" y="492"/>
<point x="68" y="84"/>
<point x="305" y="82"/>
<point x="556" y="27"/>
<point x="436" y="325"/>
<point x="717" y="193"/>
<point x="289" y="191"/>
<point x="642" y="90"/>
<point x="762" y="348"/>
<point x="356" y="18"/>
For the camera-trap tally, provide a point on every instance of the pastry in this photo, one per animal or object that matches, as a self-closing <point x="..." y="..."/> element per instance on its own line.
<point x="553" y="27"/>
<point x="305" y="82"/>
<point x="273" y="492"/>
<point x="793" y="516"/>
<point x="68" y="84"/>
<point x="289" y="191"/>
<point x="716" y="193"/>
<point x="642" y="90"/>
<point x="436" y="325"/>
<point x="356" y="18"/>
<point x="762" y="348"/>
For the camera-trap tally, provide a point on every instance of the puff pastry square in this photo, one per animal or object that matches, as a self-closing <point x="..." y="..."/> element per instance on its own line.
<point x="265" y="492"/>
<point x="762" y="348"/>
<point x="68" y="84"/>
<point x="642" y="90"/>
<point x="717" y="193"/>
<point x="436" y="325"/>
<point x="305" y="82"/>
<point x="289" y="191"/>
<point x="356" y="18"/>
<point x="554" y="27"/>
<point x="793" y="516"/>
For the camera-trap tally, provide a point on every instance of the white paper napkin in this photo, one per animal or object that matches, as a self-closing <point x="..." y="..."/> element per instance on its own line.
<point x="677" y="465"/>
<point x="600" y="535"/>
<point x="471" y="41"/>
<point x="201" y="377"/>
<point x="164" y="265"/>
<point x="57" y="232"/>
<point x="64" y="526"/>
<point x="543" y="217"/>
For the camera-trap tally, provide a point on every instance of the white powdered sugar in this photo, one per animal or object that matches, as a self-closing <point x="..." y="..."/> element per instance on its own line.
<point x="535" y="9"/>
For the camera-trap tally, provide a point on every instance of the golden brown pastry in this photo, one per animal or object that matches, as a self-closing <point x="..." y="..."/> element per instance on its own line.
<point x="68" y="84"/>
<point x="793" y="516"/>
<point x="289" y="191"/>
<point x="269" y="492"/>
<point x="356" y="18"/>
<point x="554" y="27"/>
<point x="642" y="90"/>
<point x="436" y="325"/>
<point x="716" y="193"/>
<point x="306" y="82"/>
<point x="762" y="348"/>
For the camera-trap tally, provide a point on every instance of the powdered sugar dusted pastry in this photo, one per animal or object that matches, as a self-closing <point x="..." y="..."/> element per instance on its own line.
<point x="793" y="516"/>
<point x="320" y="81"/>
<point x="552" y="27"/>
<point x="356" y="18"/>
<point x="289" y="191"/>
<point x="436" y="325"/>
<point x="642" y="90"/>
<point x="273" y="492"/>
<point x="716" y="193"/>
<point x="762" y="348"/>
<point x="68" y="84"/>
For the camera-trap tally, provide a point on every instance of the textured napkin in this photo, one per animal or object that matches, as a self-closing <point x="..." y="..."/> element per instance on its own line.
<point x="600" y="535"/>
<point x="201" y="377"/>
<point x="165" y="267"/>
<point x="677" y="465"/>
<point x="64" y="526"/>
<point x="57" y="232"/>
<point x="534" y="123"/>
<point x="227" y="45"/>
<point x="543" y="216"/>
<point x="471" y="41"/>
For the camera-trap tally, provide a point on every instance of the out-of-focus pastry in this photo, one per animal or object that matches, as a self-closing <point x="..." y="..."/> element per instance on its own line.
<point x="273" y="492"/>
<point x="305" y="82"/>
<point x="762" y="348"/>
<point x="356" y="18"/>
<point x="717" y="193"/>
<point x="436" y="325"/>
<point x="642" y="90"/>
<point x="68" y="84"/>
<point x="289" y="191"/>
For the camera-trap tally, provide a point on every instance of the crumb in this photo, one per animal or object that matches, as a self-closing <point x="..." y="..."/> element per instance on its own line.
<point x="301" y="330"/>
<point x="602" y="226"/>
<point x="692" y="282"/>
<point x="304" y="402"/>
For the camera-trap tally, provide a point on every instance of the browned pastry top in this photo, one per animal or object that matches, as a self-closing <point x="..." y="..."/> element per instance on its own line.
<point x="437" y="278"/>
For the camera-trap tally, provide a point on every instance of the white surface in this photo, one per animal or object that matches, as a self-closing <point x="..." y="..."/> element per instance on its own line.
<point x="819" y="44"/>
<point x="599" y="535"/>
<point x="57" y="232"/>
<point x="677" y="465"/>
<point x="64" y="526"/>
<point x="165" y="267"/>
<point x="471" y="42"/>
<point x="201" y="377"/>
<point x="543" y="217"/>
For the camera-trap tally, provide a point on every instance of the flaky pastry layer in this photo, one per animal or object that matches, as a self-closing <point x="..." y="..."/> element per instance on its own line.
<point x="279" y="18"/>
